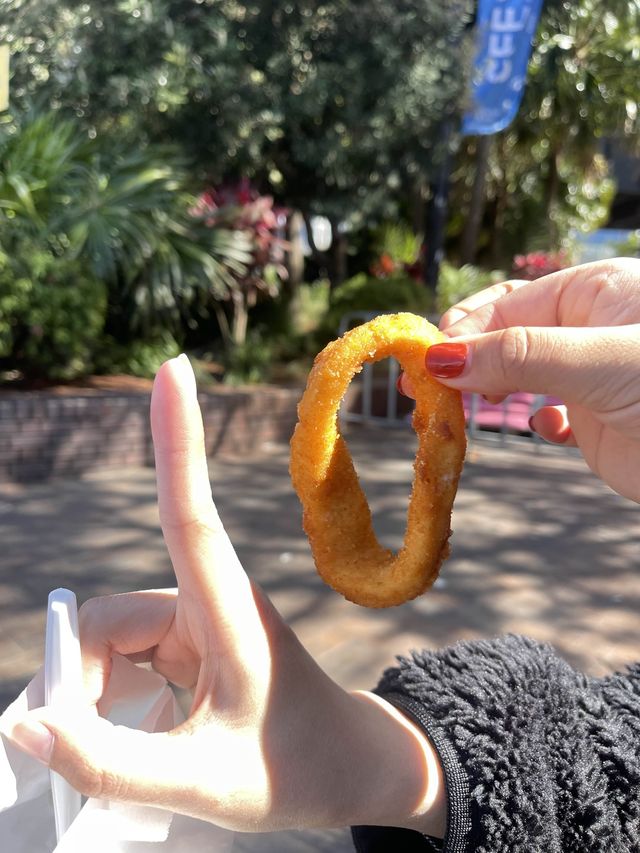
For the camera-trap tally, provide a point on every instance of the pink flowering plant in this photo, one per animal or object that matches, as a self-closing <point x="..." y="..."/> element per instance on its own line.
<point x="240" y="208"/>
<point x="538" y="264"/>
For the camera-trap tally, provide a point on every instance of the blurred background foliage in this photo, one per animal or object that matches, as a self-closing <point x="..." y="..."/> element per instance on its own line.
<point x="324" y="105"/>
<point x="546" y="176"/>
<point x="121" y="218"/>
<point x="157" y="154"/>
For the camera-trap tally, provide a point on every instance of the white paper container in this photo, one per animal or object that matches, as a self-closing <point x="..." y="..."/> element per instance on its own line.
<point x="135" y="697"/>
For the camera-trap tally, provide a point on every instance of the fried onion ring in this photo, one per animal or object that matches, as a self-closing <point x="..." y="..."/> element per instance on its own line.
<point x="336" y="515"/>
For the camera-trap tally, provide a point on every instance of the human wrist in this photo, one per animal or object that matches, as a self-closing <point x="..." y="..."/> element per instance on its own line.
<point x="398" y="778"/>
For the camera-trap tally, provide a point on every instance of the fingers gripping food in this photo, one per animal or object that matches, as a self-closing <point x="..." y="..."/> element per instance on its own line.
<point x="336" y="515"/>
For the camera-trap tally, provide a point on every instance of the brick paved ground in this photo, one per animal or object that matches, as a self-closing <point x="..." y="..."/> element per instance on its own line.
<point x="539" y="547"/>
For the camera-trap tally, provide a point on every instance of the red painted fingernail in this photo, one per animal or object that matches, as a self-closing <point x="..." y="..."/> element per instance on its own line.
<point x="446" y="361"/>
<point x="531" y="426"/>
<point x="565" y="435"/>
<point x="399" y="386"/>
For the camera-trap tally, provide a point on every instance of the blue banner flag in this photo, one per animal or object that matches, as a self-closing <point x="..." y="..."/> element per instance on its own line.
<point x="505" y="29"/>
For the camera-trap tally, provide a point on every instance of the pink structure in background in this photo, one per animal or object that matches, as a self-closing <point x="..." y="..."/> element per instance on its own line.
<point x="510" y="416"/>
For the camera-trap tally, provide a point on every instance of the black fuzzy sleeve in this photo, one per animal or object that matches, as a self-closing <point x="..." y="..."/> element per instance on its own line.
<point x="536" y="756"/>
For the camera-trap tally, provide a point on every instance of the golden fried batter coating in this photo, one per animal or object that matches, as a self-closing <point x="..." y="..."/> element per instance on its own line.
<point x="336" y="516"/>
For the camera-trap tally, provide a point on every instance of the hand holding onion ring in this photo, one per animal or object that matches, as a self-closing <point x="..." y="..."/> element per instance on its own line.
<point x="336" y="516"/>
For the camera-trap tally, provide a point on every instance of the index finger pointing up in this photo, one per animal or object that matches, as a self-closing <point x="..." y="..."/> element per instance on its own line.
<point x="203" y="557"/>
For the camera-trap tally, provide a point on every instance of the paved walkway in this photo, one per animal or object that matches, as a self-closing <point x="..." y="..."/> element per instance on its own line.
<point x="539" y="547"/>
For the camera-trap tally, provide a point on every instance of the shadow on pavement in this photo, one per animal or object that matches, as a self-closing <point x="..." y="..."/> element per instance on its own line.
<point x="539" y="547"/>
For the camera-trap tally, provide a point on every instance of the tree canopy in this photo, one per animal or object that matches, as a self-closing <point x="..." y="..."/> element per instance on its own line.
<point x="323" y="102"/>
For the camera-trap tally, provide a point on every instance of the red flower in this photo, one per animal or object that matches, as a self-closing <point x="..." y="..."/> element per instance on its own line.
<point x="241" y="208"/>
<point x="537" y="264"/>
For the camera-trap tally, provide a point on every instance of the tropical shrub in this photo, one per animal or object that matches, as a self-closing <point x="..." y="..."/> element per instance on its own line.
<point x="251" y="361"/>
<point x="241" y="210"/>
<point x="397" y="292"/>
<point x="40" y="153"/>
<point x="398" y="252"/>
<point x="132" y="218"/>
<point x="308" y="307"/>
<point x="456" y="283"/>
<point x="139" y="357"/>
<point x="52" y="312"/>
<point x="399" y="243"/>
<point x="629" y="248"/>
<point x="124" y="217"/>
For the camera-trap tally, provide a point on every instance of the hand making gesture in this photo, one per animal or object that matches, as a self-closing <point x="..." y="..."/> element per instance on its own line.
<point x="573" y="335"/>
<point x="271" y="742"/>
